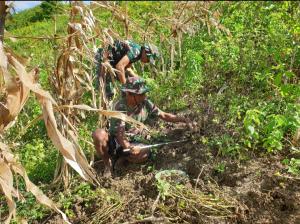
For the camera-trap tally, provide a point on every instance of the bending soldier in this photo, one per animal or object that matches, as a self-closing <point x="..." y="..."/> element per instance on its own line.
<point x="136" y="105"/>
<point x="121" y="55"/>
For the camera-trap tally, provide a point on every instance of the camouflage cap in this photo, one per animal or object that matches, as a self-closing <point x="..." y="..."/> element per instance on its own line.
<point x="151" y="52"/>
<point x="135" y="85"/>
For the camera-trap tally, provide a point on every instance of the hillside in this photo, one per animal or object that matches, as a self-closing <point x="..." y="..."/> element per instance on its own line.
<point x="233" y="68"/>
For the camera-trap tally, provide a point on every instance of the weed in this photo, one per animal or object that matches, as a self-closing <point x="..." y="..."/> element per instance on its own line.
<point x="220" y="168"/>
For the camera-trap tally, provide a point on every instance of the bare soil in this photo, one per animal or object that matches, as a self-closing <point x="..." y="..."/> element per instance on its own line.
<point x="258" y="194"/>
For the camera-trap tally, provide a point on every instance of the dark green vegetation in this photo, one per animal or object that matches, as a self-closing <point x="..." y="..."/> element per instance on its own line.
<point x="242" y="88"/>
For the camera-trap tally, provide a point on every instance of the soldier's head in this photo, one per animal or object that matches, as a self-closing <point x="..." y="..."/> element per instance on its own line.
<point x="135" y="90"/>
<point x="150" y="53"/>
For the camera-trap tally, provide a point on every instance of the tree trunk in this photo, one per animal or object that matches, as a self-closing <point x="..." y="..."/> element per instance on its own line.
<point x="3" y="13"/>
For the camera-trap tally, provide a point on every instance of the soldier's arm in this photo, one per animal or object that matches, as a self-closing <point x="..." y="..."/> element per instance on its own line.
<point x="121" y="68"/>
<point x="173" y="118"/>
<point x="131" y="72"/>
<point x="121" y="138"/>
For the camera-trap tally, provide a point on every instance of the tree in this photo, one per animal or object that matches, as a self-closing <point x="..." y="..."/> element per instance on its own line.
<point x="48" y="8"/>
<point x="3" y="12"/>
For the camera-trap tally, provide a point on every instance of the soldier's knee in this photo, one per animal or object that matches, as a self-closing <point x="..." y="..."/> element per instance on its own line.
<point x="100" y="136"/>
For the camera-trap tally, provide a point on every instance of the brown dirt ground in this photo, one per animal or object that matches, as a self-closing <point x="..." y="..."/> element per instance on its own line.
<point x="259" y="195"/>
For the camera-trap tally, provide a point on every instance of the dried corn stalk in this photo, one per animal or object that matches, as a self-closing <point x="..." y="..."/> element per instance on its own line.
<point x="16" y="96"/>
<point x="71" y="79"/>
<point x="72" y="76"/>
<point x="72" y="156"/>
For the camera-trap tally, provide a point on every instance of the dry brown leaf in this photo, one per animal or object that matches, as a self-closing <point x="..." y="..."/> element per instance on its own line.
<point x="6" y="181"/>
<point x="6" y="184"/>
<point x="17" y="93"/>
<point x="22" y="60"/>
<point x="108" y="113"/>
<point x="296" y="138"/>
<point x="65" y="146"/>
<point x="27" y="80"/>
<point x="3" y="58"/>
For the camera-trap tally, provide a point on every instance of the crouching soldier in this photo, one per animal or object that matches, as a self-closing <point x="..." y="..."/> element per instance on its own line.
<point x="136" y="105"/>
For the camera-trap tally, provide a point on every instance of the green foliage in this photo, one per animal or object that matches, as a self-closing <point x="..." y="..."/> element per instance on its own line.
<point x="35" y="150"/>
<point x="220" y="168"/>
<point x="49" y="8"/>
<point x="30" y="209"/>
<point x="39" y="13"/>
<point x="269" y="125"/>
<point x="250" y="75"/>
<point x="225" y="145"/>
<point x="39" y="159"/>
<point x="85" y="196"/>
<point x="294" y="166"/>
<point x="180" y="84"/>
<point x="172" y="95"/>
<point x="167" y="179"/>
<point x="82" y="193"/>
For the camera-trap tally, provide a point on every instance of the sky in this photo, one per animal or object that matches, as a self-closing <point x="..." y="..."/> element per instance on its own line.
<point x="21" y="5"/>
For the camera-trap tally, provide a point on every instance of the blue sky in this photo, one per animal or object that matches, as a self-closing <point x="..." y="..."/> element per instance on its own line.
<point x="21" y="5"/>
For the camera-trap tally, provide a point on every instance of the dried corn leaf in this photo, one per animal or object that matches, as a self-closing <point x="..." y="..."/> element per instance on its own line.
<point x="6" y="174"/>
<point x="6" y="184"/>
<point x="17" y="93"/>
<point x="22" y="60"/>
<point x="65" y="146"/>
<point x="115" y="114"/>
<point x="28" y="81"/>
<point x="70" y="154"/>
<point x="3" y="58"/>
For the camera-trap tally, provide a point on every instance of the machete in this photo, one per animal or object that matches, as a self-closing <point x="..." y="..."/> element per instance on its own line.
<point x="155" y="145"/>
<point x="126" y="152"/>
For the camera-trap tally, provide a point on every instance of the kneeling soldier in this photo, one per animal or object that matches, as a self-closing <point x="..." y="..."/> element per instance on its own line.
<point x="136" y="105"/>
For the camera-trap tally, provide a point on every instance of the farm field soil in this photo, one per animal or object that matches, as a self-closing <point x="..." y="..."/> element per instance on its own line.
<point x="256" y="192"/>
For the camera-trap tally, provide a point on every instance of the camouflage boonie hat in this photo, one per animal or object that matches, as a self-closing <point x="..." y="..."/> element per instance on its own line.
<point x="135" y="85"/>
<point x="151" y="52"/>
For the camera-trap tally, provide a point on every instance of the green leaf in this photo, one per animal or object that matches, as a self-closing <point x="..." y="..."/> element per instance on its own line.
<point x="277" y="80"/>
<point x="251" y="129"/>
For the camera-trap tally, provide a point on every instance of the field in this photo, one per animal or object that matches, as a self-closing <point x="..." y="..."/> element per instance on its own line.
<point x="230" y="67"/>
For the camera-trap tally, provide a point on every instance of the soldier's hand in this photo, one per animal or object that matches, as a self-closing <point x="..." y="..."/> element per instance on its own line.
<point x="192" y="126"/>
<point x="135" y="150"/>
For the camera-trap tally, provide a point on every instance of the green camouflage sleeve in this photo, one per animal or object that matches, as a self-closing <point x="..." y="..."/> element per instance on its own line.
<point x="153" y="110"/>
<point x="134" y="51"/>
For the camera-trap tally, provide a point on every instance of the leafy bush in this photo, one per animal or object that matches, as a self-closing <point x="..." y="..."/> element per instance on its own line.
<point x="294" y="166"/>
<point x="268" y="128"/>
<point x="39" y="159"/>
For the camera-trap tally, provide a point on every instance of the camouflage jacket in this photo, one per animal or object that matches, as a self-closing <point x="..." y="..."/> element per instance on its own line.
<point x="144" y="113"/>
<point x="118" y="50"/>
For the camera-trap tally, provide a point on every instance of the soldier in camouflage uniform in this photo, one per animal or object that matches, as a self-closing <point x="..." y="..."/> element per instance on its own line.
<point x="121" y="55"/>
<point x="121" y="135"/>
